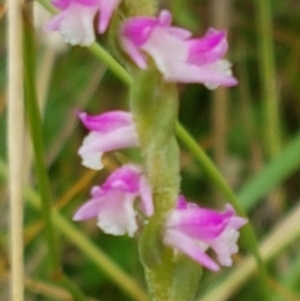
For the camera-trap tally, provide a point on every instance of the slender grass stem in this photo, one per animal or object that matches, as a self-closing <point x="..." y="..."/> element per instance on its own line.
<point x="35" y="127"/>
<point x="15" y="134"/>
<point x="247" y="109"/>
<point x="220" y="12"/>
<point x="47" y="290"/>
<point x="268" y="76"/>
<point x="48" y="6"/>
<point x="129" y="286"/>
<point x="101" y="54"/>
<point x="270" y="96"/>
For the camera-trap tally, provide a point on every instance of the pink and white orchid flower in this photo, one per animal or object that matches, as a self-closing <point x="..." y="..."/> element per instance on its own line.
<point x="108" y="131"/>
<point x="113" y="203"/>
<point x="76" y="19"/>
<point x="191" y="230"/>
<point x="178" y="57"/>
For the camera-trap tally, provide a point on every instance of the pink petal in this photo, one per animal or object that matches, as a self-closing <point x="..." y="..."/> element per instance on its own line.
<point x="190" y="228"/>
<point x="97" y="192"/>
<point x="107" y="8"/>
<point x="94" y="3"/>
<point x="61" y="4"/>
<point x="106" y="122"/>
<point x="180" y="33"/>
<point x="146" y="197"/>
<point x="208" y="49"/>
<point x="181" y="203"/>
<point x="133" y="51"/>
<point x="88" y="210"/>
<point x="117" y="139"/>
<point x="164" y="55"/>
<point x="187" y="73"/>
<point x="64" y="4"/>
<point x="54" y="23"/>
<point x="203" y="224"/>
<point x="165" y="18"/>
<point x="126" y="178"/>
<point x="189" y="247"/>
<point x="138" y="30"/>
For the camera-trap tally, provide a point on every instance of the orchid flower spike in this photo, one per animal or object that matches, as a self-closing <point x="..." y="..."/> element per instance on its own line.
<point x="75" y="21"/>
<point x="191" y="230"/>
<point x="108" y="131"/>
<point x="178" y="57"/>
<point x="113" y="203"/>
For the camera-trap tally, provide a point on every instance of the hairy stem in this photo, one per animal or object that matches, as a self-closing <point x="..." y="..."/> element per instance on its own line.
<point x="154" y="107"/>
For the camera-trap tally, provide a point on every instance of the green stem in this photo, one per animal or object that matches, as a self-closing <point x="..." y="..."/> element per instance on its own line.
<point x="154" y="109"/>
<point x="268" y="76"/>
<point x="35" y="127"/>
<point x="270" y="96"/>
<point x="208" y="166"/>
<point x="101" y="54"/>
<point x="154" y="106"/>
<point x="48" y="6"/>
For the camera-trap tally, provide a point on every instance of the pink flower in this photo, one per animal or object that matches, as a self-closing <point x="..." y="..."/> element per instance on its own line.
<point x="113" y="203"/>
<point x="191" y="230"/>
<point x="76" y="19"/>
<point x="178" y="57"/>
<point x="108" y="131"/>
